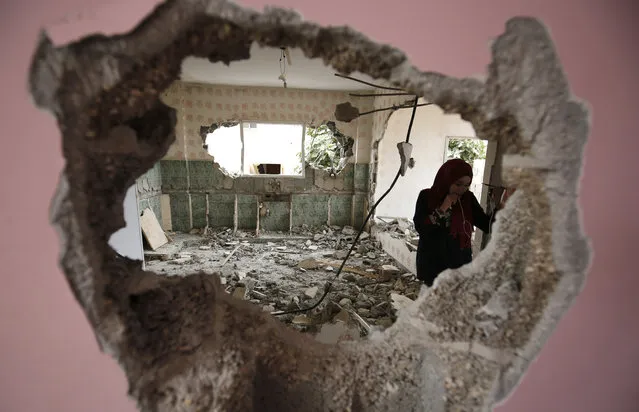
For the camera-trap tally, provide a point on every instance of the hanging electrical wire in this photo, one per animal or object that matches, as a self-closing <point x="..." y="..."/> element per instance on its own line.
<point x="329" y="285"/>
<point x="283" y="61"/>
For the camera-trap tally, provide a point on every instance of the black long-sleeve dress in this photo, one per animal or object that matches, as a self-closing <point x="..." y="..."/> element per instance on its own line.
<point x="437" y="249"/>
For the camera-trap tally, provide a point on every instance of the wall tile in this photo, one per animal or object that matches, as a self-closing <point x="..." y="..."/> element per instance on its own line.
<point x="359" y="210"/>
<point x="180" y="212"/>
<point x="361" y="177"/>
<point x="311" y="210"/>
<point x="341" y="210"/>
<point x="246" y="212"/>
<point x="278" y="217"/>
<point x="222" y="210"/>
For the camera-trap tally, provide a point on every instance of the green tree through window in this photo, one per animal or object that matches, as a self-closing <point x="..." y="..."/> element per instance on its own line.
<point x="468" y="150"/>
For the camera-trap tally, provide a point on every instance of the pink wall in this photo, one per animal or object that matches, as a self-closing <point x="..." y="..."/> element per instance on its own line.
<point x="49" y="358"/>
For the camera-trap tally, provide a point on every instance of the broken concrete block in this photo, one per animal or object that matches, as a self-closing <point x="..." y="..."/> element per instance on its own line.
<point x="311" y="292"/>
<point x="340" y="254"/>
<point x="390" y="270"/>
<point x="181" y="261"/>
<point x="239" y="292"/>
<point x="345" y="302"/>
<point x="381" y="309"/>
<point x="400" y="302"/>
<point x="309" y="264"/>
<point x="350" y="277"/>
<point x="302" y="320"/>
<point x="363" y="312"/>
<point x="347" y="230"/>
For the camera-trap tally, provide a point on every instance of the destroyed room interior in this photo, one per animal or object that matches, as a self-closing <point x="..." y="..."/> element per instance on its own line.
<point x="241" y="211"/>
<point x="267" y="188"/>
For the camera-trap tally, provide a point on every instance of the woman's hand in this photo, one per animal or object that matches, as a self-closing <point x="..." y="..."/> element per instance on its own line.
<point x="450" y="200"/>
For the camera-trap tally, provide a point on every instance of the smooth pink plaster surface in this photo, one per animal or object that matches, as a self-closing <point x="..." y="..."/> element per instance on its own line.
<point x="49" y="359"/>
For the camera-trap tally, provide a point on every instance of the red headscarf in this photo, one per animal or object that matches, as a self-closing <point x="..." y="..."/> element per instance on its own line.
<point x="461" y="226"/>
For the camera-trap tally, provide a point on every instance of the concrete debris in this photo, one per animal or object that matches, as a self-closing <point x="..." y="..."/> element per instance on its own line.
<point x="390" y="270"/>
<point x="337" y="332"/>
<point x="302" y="320"/>
<point x="400" y="228"/>
<point x="400" y="302"/>
<point x="311" y="292"/>
<point x="284" y="272"/>
<point x="239" y="292"/>
<point x="309" y="264"/>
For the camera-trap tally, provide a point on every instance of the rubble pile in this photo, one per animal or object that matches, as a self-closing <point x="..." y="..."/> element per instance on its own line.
<point x="289" y="272"/>
<point x="399" y="228"/>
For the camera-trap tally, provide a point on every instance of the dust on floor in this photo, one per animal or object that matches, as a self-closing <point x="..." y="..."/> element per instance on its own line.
<point x="283" y="272"/>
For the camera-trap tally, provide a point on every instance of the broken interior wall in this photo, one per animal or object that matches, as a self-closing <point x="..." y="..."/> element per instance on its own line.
<point x="176" y="338"/>
<point x="190" y="176"/>
<point x="149" y="189"/>
<point x="378" y="128"/>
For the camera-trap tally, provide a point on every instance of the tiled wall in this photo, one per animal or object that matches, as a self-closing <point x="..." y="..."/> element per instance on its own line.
<point x="201" y="105"/>
<point x="189" y="175"/>
<point x="149" y="187"/>
<point x="314" y="200"/>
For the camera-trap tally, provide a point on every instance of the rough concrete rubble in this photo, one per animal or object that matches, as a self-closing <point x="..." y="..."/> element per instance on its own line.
<point x="187" y="345"/>
<point x="281" y="272"/>
<point x="400" y="228"/>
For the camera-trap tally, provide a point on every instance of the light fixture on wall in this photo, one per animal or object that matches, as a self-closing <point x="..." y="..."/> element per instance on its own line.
<point x="285" y="58"/>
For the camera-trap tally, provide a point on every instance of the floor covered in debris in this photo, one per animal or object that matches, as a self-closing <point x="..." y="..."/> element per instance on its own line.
<point x="287" y="272"/>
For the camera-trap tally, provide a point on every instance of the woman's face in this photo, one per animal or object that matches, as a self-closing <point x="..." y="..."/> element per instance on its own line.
<point x="461" y="185"/>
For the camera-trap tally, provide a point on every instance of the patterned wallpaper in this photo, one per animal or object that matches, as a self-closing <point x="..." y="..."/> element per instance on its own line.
<point x="378" y="127"/>
<point x="380" y="118"/>
<point x="202" y="104"/>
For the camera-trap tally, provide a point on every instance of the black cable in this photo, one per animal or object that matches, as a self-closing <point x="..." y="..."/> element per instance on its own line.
<point x="329" y="284"/>
<point x="369" y="84"/>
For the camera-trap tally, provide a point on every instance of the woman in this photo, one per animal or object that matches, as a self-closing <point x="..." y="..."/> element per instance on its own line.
<point x="445" y="218"/>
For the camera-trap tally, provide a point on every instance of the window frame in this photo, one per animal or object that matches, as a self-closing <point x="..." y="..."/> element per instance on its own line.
<point x="303" y="149"/>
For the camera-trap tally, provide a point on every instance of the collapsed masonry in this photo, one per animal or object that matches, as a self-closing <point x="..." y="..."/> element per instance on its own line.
<point x="187" y="345"/>
<point x="281" y="272"/>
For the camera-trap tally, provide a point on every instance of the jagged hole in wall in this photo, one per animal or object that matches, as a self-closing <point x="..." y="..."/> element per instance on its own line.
<point x="187" y="345"/>
<point x="327" y="148"/>
<point x="239" y="149"/>
<point x="436" y="138"/>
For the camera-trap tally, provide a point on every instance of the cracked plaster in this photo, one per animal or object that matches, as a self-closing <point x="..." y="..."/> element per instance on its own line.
<point x="185" y="345"/>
